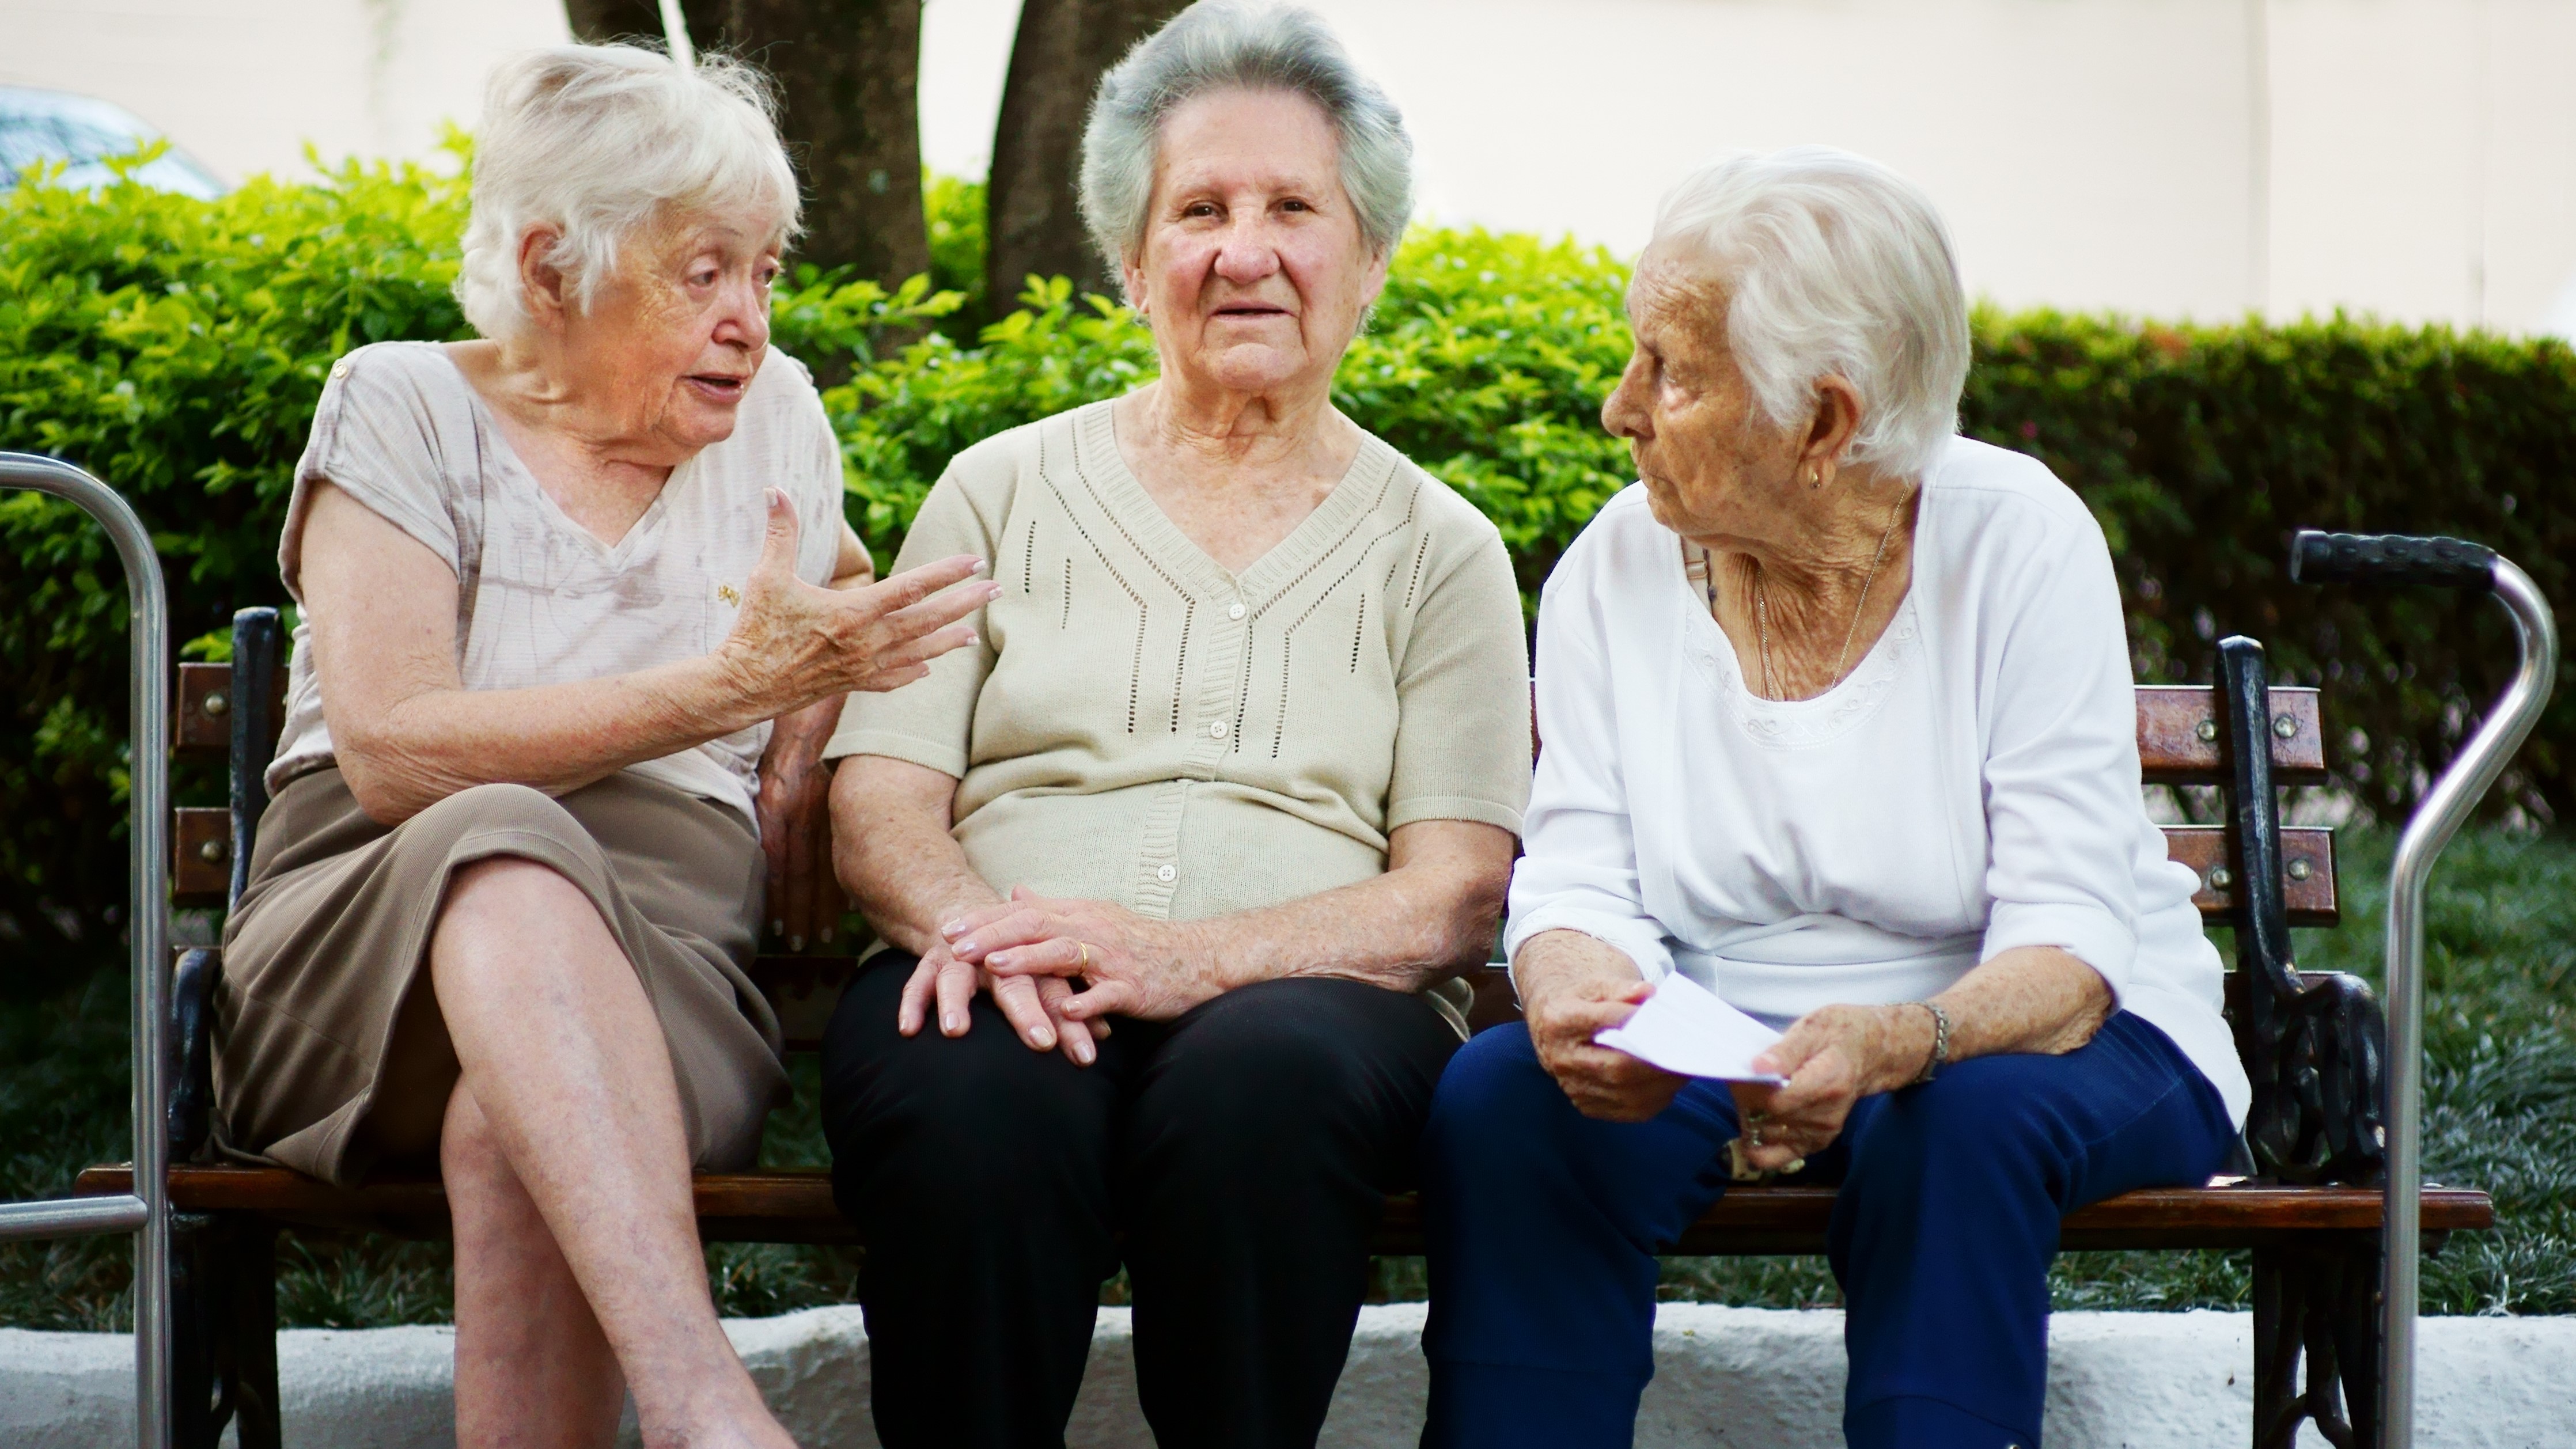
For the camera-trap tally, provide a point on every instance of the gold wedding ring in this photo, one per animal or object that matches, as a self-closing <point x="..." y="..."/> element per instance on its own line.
<point x="1086" y="954"/>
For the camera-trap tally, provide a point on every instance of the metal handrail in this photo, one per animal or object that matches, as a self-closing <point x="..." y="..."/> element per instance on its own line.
<point x="2445" y="807"/>
<point x="145" y="1212"/>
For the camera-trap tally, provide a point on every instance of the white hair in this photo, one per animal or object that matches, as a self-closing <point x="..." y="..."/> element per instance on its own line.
<point x="1222" y="45"/>
<point x="600" y="141"/>
<point x="1832" y="265"/>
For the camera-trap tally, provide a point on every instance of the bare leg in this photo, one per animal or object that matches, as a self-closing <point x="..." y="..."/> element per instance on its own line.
<point x="532" y="1367"/>
<point x="565" y="1070"/>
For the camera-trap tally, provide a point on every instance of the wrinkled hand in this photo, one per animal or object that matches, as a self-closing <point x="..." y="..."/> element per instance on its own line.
<point x="1564" y="1015"/>
<point x="1035" y="1008"/>
<point x="1132" y="966"/>
<point x="1832" y="1057"/>
<point x="795" y="642"/>
<point x="795" y="806"/>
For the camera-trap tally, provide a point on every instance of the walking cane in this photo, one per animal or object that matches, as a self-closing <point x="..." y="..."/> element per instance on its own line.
<point x="2448" y="563"/>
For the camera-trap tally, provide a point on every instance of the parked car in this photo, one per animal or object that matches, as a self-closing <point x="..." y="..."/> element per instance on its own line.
<point x="39" y="125"/>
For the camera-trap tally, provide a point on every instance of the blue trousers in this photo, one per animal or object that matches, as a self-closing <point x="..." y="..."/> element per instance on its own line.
<point x="1543" y="1225"/>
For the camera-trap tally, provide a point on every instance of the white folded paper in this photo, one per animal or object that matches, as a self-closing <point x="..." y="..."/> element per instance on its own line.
<point x="1685" y="1028"/>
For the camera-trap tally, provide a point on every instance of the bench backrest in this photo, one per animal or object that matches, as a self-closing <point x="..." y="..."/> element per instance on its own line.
<point x="2255" y="876"/>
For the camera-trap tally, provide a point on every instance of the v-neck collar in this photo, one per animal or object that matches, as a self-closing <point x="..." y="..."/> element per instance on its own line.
<point x="1097" y="459"/>
<point x="613" y="555"/>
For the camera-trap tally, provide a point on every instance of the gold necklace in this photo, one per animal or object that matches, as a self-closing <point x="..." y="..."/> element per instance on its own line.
<point x="1762" y="608"/>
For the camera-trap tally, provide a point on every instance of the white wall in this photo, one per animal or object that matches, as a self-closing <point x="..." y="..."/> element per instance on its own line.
<point x="242" y="85"/>
<point x="2410" y="158"/>
<point x="2413" y="158"/>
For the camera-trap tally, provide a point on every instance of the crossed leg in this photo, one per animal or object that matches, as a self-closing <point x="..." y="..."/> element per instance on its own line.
<point x="578" y="1269"/>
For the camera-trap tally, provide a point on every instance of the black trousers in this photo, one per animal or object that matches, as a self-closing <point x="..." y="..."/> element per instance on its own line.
<point x="1236" y="1159"/>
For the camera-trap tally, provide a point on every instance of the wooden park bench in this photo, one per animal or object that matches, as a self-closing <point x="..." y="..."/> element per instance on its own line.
<point x="2304" y="1197"/>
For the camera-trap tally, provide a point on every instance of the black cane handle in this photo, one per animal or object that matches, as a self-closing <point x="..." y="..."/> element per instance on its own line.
<point x="2390" y="558"/>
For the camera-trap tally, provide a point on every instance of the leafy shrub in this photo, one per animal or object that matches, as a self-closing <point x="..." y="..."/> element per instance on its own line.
<point x="175" y="347"/>
<point x="2202" y="448"/>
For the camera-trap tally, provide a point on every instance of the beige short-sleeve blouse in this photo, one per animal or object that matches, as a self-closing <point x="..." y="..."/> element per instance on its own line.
<point x="539" y="599"/>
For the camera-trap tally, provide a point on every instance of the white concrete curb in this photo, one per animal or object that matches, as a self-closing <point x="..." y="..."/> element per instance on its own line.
<point x="1740" y="1378"/>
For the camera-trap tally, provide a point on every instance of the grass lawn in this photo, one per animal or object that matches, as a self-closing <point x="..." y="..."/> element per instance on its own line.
<point x="2501" y="1097"/>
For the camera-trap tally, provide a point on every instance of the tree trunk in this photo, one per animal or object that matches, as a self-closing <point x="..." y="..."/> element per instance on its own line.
<point x="1033" y="225"/>
<point x="597" y="21"/>
<point x="847" y="72"/>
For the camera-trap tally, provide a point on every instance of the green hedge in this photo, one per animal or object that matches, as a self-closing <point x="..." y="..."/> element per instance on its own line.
<point x="175" y="348"/>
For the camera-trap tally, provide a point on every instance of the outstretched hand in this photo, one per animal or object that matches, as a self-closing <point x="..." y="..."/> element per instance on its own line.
<point x="795" y="642"/>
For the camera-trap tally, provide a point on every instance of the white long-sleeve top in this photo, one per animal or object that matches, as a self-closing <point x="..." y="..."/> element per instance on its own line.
<point x="1970" y="787"/>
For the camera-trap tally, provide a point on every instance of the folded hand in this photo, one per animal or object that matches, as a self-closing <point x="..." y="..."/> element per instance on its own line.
<point x="1132" y="966"/>
<point x="1035" y="1007"/>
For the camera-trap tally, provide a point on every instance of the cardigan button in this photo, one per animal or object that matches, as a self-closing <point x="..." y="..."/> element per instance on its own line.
<point x="1216" y="729"/>
<point x="1166" y="874"/>
<point x="1234" y="611"/>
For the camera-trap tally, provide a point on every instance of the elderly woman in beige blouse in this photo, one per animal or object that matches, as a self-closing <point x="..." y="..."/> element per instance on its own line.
<point x="579" y="609"/>
<point x="1169" y="864"/>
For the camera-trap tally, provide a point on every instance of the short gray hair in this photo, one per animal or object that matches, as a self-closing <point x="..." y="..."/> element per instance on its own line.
<point x="1832" y="265"/>
<point x="1223" y="45"/>
<point x="599" y="141"/>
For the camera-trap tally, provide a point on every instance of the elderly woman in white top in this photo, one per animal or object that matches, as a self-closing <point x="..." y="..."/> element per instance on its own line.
<point x="579" y="611"/>
<point x="1837" y="723"/>
<point x="1240" y="752"/>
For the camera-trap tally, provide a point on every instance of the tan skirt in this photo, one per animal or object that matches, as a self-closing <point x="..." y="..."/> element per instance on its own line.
<point x="330" y="1054"/>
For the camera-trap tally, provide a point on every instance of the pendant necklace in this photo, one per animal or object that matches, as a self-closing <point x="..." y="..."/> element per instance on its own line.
<point x="1762" y="608"/>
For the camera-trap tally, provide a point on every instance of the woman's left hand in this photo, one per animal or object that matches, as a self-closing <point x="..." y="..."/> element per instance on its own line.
<point x="1134" y="966"/>
<point x="805" y="898"/>
<point x="1832" y="1057"/>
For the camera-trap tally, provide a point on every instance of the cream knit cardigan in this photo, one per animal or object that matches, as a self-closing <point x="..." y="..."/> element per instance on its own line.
<point x="1137" y="724"/>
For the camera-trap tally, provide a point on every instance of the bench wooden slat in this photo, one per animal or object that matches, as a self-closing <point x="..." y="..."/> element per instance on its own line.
<point x="796" y="1207"/>
<point x="205" y="705"/>
<point x="2307" y="871"/>
<point x="205" y="708"/>
<point x="201" y="843"/>
<point x="2182" y="740"/>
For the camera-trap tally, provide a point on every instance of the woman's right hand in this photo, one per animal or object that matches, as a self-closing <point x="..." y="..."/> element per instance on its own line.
<point x="794" y="642"/>
<point x="1034" y="1006"/>
<point x="1572" y="988"/>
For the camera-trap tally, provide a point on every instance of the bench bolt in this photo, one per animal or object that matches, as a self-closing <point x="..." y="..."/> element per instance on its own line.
<point x="217" y="703"/>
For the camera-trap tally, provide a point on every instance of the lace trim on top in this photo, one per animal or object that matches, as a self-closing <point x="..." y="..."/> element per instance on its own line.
<point x="1800" y="723"/>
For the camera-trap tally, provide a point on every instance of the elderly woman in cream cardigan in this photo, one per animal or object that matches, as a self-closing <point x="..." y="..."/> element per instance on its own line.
<point x="1839" y="726"/>
<point x="1170" y="862"/>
